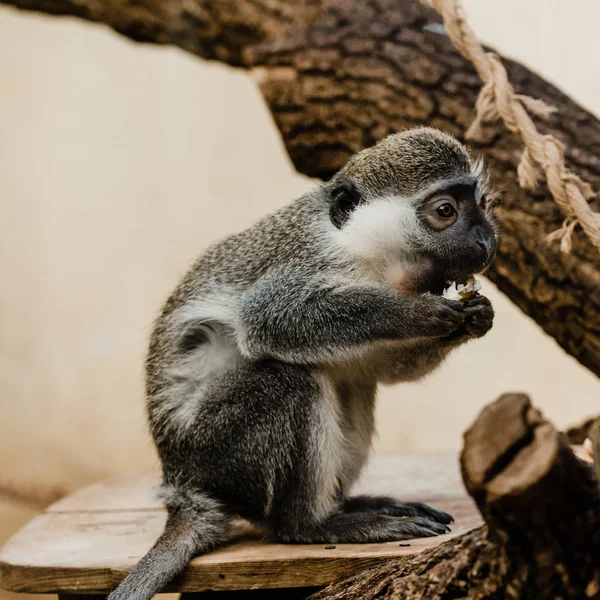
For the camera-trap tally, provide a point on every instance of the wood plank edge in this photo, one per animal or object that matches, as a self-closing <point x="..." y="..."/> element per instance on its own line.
<point x="53" y="580"/>
<point x="309" y="572"/>
<point x="297" y="573"/>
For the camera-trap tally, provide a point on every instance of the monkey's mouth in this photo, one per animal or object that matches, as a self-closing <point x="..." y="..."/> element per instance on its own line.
<point x="438" y="287"/>
<point x="437" y="281"/>
<point x="441" y="284"/>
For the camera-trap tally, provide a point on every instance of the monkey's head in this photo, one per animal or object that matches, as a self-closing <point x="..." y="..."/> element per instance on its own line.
<point x="414" y="205"/>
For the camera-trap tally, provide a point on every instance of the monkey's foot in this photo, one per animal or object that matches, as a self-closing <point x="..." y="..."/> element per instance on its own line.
<point x="364" y="527"/>
<point x="390" y="506"/>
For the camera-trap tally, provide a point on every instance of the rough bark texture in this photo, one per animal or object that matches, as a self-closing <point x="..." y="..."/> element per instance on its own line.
<point x="541" y="507"/>
<point x="218" y="30"/>
<point x="338" y="75"/>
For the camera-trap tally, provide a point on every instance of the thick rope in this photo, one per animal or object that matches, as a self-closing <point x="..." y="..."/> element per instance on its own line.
<point x="543" y="154"/>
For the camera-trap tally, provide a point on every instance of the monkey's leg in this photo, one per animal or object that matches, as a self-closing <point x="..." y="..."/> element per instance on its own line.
<point x="390" y="506"/>
<point x="266" y="442"/>
<point x="305" y="507"/>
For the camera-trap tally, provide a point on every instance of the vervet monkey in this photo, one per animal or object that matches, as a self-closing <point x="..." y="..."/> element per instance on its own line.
<point x="264" y="364"/>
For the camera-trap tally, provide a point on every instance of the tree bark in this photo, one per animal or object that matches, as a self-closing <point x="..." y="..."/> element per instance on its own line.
<point x="338" y="75"/>
<point x="541" y="506"/>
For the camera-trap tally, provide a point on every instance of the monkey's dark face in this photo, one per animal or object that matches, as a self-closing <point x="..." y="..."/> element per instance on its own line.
<point x="459" y="237"/>
<point x="443" y="234"/>
<point x="413" y="207"/>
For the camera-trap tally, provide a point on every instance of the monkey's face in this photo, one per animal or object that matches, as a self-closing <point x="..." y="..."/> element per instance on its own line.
<point x="456" y="232"/>
<point x="414" y="209"/>
<point x="443" y="234"/>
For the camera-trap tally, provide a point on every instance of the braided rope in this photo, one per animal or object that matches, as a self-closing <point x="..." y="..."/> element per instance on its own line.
<point x="543" y="154"/>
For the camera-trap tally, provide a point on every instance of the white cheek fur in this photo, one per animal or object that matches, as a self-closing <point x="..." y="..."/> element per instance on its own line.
<point x="381" y="233"/>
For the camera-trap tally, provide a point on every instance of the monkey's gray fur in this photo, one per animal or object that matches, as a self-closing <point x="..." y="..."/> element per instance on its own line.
<point x="264" y="363"/>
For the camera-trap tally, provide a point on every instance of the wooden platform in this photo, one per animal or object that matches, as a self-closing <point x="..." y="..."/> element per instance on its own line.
<point x="87" y="542"/>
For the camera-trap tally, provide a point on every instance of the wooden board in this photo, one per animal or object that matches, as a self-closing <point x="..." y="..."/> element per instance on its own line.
<point x="87" y="542"/>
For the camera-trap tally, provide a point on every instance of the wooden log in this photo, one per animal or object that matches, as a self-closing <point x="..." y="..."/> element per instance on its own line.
<point x="339" y="75"/>
<point x="541" y="506"/>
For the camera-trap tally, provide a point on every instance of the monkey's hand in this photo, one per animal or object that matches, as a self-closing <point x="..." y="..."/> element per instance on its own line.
<point x="436" y="316"/>
<point x="478" y="319"/>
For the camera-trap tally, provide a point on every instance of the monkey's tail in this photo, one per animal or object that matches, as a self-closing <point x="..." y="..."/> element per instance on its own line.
<point x="196" y="524"/>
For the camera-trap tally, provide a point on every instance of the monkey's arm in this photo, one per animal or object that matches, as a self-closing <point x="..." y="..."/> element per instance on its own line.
<point x="312" y="320"/>
<point x="415" y="361"/>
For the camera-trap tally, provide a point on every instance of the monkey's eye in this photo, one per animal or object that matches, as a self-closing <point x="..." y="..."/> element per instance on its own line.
<point x="440" y="211"/>
<point x="446" y="210"/>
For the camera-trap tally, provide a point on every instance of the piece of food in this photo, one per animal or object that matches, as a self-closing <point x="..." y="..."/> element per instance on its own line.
<point x="588" y="449"/>
<point x="462" y="291"/>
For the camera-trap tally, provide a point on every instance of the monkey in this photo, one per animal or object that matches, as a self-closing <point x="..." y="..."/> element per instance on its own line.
<point x="263" y="366"/>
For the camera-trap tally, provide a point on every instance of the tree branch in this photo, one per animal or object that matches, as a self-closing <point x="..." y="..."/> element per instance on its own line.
<point x="217" y="30"/>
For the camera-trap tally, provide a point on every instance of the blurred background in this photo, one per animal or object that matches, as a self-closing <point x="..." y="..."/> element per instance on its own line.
<point x="119" y="163"/>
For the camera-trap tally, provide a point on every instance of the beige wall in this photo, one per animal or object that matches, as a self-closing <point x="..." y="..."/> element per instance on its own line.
<point x="119" y="163"/>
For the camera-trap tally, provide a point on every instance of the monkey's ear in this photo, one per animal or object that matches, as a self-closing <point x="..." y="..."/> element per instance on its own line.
<point x="345" y="197"/>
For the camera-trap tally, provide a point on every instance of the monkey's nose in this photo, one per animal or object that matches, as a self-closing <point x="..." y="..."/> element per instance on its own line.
<point x="488" y="247"/>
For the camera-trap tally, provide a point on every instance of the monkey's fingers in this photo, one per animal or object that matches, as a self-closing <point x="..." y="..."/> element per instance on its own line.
<point x="479" y="317"/>
<point x="477" y="300"/>
<point x="406" y="528"/>
<point x="416" y="509"/>
<point x="442" y="317"/>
